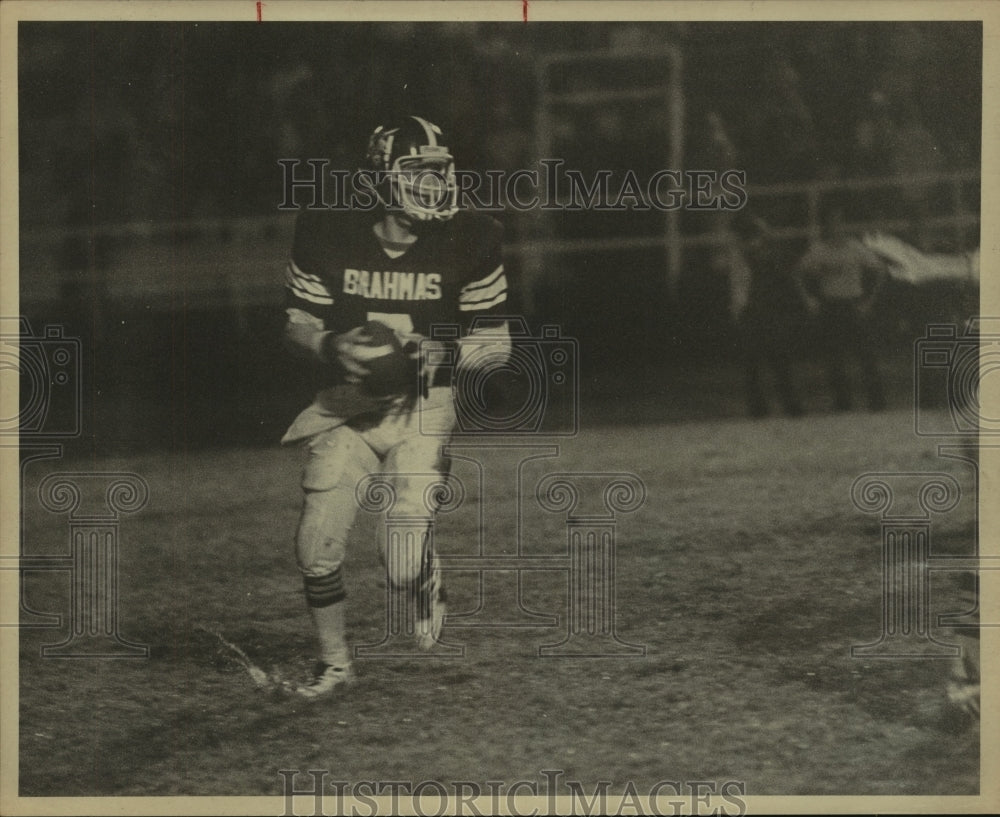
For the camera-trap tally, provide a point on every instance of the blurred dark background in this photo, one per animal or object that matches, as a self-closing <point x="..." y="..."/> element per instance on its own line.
<point x="149" y="188"/>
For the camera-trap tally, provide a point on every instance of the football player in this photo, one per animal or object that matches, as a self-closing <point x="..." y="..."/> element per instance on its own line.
<point x="365" y="288"/>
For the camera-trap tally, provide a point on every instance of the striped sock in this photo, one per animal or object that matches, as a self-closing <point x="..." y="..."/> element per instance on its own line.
<point x="324" y="595"/>
<point x="322" y="591"/>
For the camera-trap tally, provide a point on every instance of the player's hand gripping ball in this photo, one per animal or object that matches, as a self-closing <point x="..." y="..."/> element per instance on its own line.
<point x="373" y="356"/>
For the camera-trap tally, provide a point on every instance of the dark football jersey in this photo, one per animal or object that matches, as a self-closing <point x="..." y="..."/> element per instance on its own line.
<point x="339" y="272"/>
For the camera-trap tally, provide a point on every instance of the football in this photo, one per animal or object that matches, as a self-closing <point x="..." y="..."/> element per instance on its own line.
<point x="393" y="372"/>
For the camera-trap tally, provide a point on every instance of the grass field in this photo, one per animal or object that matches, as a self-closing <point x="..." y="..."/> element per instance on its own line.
<point x="747" y="575"/>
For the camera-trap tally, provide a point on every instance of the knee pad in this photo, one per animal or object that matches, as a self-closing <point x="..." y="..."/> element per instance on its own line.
<point x="337" y="460"/>
<point x="321" y="537"/>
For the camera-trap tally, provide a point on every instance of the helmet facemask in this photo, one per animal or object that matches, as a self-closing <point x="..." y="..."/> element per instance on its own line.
<point x="423" y="184"/>
<point x="414" y="174"/>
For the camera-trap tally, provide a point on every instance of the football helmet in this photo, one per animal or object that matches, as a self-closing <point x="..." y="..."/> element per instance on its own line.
<point x="413" y="170"/>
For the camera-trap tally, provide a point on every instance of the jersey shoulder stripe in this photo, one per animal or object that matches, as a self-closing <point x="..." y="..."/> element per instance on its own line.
<point x="486" y="293"/>
<point x="497" y="295"/>
<point x="301" y="274"/>
<point x="314" y="299"/>
<point x="303" y="280"/>
<point x="484" y="283"/>
<point x="306" y="286"/>
<point x="472" y="307"/>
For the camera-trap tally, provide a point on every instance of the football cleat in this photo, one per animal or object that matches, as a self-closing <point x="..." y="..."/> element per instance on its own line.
<point x="326" y="680"/>
<point x="430" y="608"/>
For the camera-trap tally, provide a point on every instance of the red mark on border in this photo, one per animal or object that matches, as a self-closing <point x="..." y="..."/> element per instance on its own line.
<point x="260" y="5"/>
<point x="524" y="9"/>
